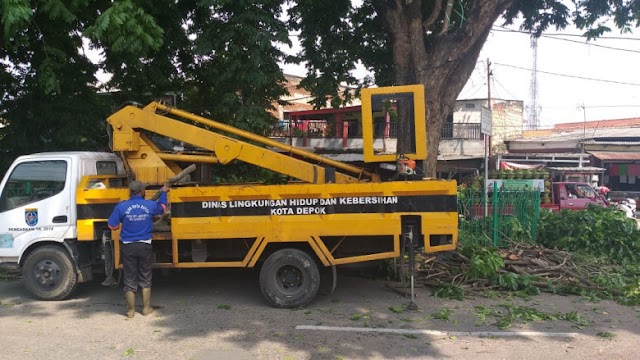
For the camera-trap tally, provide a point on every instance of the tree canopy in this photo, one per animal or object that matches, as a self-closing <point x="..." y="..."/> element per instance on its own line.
<point x="223" y="56"/>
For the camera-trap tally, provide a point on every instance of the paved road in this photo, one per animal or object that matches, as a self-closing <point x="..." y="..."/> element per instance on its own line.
<point x="220" y="314"/>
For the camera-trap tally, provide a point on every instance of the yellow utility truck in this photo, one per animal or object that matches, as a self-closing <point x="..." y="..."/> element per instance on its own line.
<point x="54" y="206"/>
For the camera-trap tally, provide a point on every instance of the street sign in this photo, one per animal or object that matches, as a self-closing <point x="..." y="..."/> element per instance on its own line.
<point x="485" y="121"/>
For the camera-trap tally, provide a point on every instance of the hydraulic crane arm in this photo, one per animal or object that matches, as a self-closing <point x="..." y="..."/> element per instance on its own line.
<point x="154" y="166"/>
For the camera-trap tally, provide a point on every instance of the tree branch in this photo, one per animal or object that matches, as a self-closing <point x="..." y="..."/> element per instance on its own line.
<point x="435" y="12"/>
<point x="466" y="41"/>
<point x="447" y="17"/>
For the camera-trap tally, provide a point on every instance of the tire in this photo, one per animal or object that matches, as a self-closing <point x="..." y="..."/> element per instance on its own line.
<point x="49" y="274"/>
<point x="289" y="278"/>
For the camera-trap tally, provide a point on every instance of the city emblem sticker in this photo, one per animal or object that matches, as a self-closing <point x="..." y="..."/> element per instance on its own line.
<point x="31" y="216"/>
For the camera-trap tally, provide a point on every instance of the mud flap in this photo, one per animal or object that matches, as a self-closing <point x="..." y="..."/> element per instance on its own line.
<point x="328" y="280"/>
<point x="107" y="245"/>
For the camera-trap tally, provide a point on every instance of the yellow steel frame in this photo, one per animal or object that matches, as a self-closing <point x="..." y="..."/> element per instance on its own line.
<point x="418" y="121"/>
<point x="87" y="196"/>
<point x="273" y="229"/>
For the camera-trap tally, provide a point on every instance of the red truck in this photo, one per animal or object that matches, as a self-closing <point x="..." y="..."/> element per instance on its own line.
<point x="573" y="196"/>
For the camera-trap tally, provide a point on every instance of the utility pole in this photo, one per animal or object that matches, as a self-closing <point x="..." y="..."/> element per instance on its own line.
<point x="486" y="138"/>
<point x="489" y="83"/>
<point x="584" y="130"/>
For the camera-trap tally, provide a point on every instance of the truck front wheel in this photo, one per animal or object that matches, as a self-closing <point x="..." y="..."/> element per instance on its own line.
<point x="289" y="278"/>
<point x="49" y="273"/>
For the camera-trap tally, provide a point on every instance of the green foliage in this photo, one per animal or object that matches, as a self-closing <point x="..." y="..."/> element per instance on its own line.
<point x="327" y="37"/>
<point x="128" y="28"/>
<point x="358" y="316"/>
<point x="512" y="314"/>
<point x="575" y="318"/>
<point x="621" y="283"/>
<point x="596" y="231"/>
<point x="482" y="314"/>
<point x="448" y="291"/>
<point x="15" y="15"/>
<point x="442" y="314"/>
<point x="220" y="58"/>
<point x="484" y="262"/>
<point x="525" y="314"/>
<point x="515" y="282"/>
<point x="606" y="335"/>
<point x="236" y="77"/>
<point x="398" y="309"/>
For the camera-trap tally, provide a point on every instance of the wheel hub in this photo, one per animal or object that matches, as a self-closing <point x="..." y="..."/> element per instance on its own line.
<point x="47" y="273"/>
<point x="290" y="277"/>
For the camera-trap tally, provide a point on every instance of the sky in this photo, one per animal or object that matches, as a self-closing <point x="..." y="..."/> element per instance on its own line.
<point x="561" y="61"/>
<point x="564" y="64"/>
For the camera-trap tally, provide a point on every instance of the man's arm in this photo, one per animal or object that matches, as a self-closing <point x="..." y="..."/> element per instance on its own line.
<point x="162" y="200"/>
<point x="114" y="219"/>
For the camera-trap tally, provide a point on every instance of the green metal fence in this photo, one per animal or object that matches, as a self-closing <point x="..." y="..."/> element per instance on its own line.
<point x="502" y="216"/>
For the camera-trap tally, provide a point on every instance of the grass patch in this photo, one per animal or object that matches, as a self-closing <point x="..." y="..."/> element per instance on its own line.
<point x="442" y="314"/>
<point x="398" y="309"/>
<point x="358" y="316"/>
<point x="606" y="335"/>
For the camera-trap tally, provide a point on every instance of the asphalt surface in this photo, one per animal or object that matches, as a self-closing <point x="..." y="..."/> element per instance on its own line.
<point x="220" y="314"/>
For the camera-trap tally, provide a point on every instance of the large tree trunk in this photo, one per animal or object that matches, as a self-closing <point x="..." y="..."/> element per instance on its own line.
<point x="443" y="66"/>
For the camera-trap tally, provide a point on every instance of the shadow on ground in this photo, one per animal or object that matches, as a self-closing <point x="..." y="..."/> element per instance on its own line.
<point x="222" y="311"/>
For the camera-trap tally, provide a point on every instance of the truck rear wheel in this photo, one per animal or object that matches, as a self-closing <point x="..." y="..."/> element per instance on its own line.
<point x="289" y="278"/>
<point x="49" y="273"/>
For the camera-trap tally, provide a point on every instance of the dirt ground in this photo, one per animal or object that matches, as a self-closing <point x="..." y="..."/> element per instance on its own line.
<point x="220" y="314"/>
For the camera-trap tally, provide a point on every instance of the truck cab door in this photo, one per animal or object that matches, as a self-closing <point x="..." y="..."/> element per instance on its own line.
<point x="579" y="196"/>
<point x="35" y="205"/>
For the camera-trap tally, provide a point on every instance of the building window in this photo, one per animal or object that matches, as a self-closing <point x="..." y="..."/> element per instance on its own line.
<point x="470" y="106"/>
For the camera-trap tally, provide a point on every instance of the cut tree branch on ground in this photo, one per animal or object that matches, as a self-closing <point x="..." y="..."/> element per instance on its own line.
<point x="547" y="269"/>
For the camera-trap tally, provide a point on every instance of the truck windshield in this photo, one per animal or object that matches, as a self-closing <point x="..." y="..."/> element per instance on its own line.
<point x="33" y="181"/>
<point x="580" y="191"/>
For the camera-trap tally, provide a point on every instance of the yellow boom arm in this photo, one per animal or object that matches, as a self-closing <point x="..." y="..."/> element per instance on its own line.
<point x="154" y="166"/>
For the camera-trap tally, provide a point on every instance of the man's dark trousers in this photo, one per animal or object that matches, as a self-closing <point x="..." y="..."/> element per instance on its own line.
<point x="137" y="258"/>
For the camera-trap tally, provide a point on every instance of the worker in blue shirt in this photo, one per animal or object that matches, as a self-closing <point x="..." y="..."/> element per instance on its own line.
<point x="136" y="217"/>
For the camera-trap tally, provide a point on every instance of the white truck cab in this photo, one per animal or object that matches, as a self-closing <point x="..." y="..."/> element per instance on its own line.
<point x="38" y="216"/>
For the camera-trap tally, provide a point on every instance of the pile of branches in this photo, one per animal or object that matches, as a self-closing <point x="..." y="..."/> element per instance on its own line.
<point x="519" y="267"/>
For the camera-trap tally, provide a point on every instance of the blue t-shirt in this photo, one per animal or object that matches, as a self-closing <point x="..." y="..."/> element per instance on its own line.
<point x="136" y="216"/>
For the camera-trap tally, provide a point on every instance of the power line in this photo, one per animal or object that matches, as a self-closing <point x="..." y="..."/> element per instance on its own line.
<point x="569" y="76"/>
<point x="556" y="37"/>
<point x="495" y="79"/>
<point x="599" y="37"/>
<point x="595" y="107"/>
<point x="592" y="44"/>
<point x="506" y="29"/>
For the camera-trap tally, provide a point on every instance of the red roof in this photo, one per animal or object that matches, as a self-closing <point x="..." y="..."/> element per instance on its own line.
<point x="615" y="155"/>
<point x="617" y="123"/>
